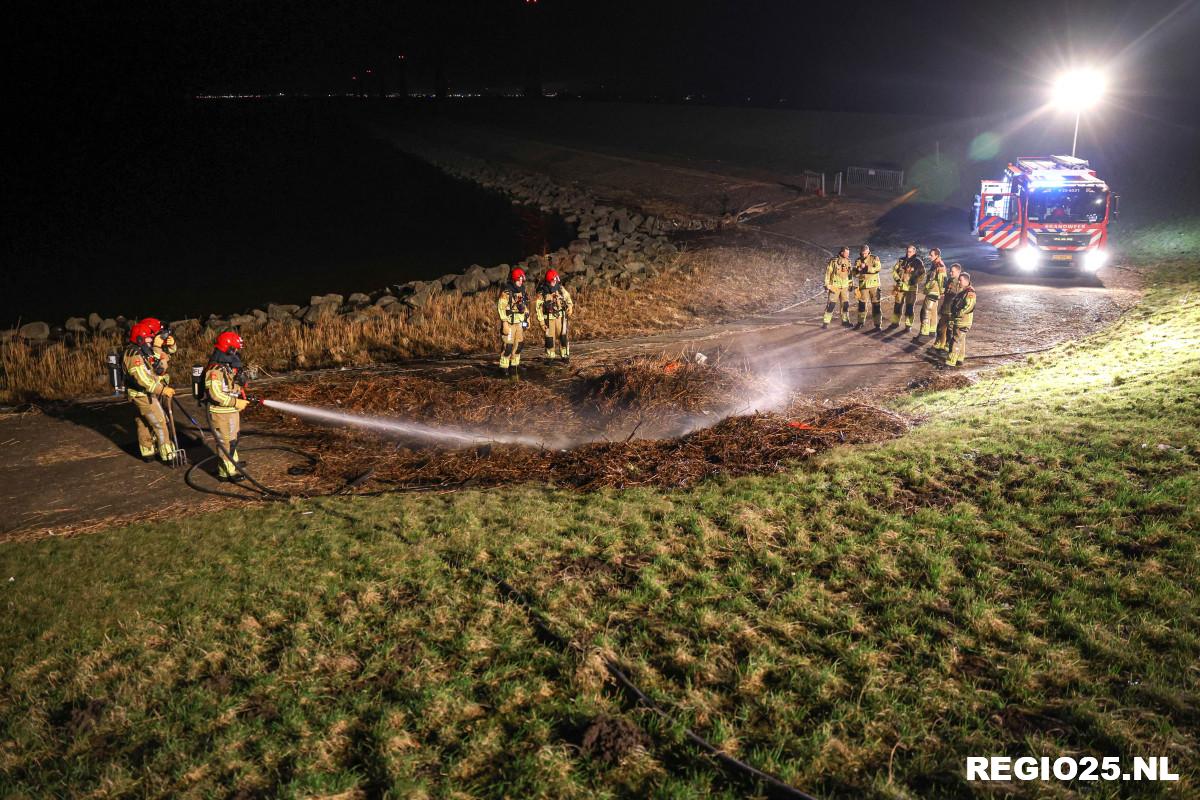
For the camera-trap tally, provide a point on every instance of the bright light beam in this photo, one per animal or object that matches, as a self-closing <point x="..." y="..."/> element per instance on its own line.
<point x="1078" y="90"/>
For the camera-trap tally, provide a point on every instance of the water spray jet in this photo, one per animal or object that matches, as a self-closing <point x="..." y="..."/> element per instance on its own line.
<point x="396" y="427"/>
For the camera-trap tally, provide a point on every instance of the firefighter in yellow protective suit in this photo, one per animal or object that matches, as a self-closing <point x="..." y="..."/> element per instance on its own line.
<point x="513" y="307"/>
<point x="907" y="276"/>
<point x="962" y="315"/>
<point x="866" y="273"/>
<point x="935" y="284"/>
<point x="225" y="396"/>
<point x="837" y="284"/>
<point x="554" y="308"/>
<point x="147" y="391"/>
<point x="941" y="341"/>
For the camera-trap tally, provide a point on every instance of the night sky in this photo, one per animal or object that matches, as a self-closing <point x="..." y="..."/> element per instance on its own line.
<point x="959" y="58"/>
<point x="104" y="145"/>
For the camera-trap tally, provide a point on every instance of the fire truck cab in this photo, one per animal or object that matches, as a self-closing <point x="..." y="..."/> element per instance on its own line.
<point x="1047" y="212"/>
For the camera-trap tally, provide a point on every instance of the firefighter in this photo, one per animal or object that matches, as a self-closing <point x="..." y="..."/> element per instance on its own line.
<point x="935" y="284"/>
<point x="962" y="314"/>
<point x="866" y="271"/>
<point x="837" y="284"/>
<point x="943" y="323"/>
<point x="225" y="395"/>
<point x="554" y="307"/>
<point x="906" y="277"/>
<point x="513" y="308"/>
<point x="147" y="391"/>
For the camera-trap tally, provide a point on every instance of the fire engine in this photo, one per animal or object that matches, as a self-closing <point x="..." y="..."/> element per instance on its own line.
<point x="1047" y="212"/>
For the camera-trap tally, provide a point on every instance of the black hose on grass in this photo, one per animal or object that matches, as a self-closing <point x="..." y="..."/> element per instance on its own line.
<point x="543" y="630"/>
<point x="265" y="492"/>
<point x="775" y="786"/>
<point x="273" y="495"/>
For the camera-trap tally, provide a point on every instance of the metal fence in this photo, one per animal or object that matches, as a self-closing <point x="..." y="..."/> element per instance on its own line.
<point x="813" y="182"/>
<point x="875" y="178"/>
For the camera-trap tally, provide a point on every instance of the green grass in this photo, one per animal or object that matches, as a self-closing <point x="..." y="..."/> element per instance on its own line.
<point x="1018" y="575"/>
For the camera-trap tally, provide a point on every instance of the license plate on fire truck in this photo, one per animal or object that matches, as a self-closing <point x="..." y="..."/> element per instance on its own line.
<point x="1061" y="257"/>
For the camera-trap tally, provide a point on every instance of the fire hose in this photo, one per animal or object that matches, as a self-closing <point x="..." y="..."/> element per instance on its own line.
<point x="220" y="451"/>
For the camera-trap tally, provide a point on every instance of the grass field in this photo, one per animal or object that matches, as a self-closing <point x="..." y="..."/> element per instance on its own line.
<point x="1018" y="575"/>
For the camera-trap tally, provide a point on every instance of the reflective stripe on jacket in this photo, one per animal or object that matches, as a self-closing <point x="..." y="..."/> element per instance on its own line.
<point x="962" y="308"/>
<point x="512" y="305"/>
<point x="904" y="280"/>
<point x="554" y="303"/>
<point x="935" y="284"/>
<point x="867" y="271"/>
<point x="837" y="273"/>
<point x="140" y="369"/>
<point x="222" y="389"/>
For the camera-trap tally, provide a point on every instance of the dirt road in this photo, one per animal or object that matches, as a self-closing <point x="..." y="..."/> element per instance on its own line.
<point x="69" y="469"/>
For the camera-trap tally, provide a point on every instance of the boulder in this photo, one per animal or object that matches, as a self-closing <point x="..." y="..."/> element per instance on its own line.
<point x="497" y="274"/>
<point x="185" y="327"/>
<point x="635" y="267"/>
<point x="579" y="247"/>
<point x="77" y="325"/>
<point x="107" y="324"/>
<point x="425" y="287"/>
<point x="34" y="331"/>
<point x="359" y="299"/>
<point x="471" y="282"/>
<point x="260" y="315"/>
<point x="243" y="321"/>
<point x="445" y="280"/>
<point x="417" y="300"/>
<point x="281" y="312"/>
<point x="333" y="299"/>
<point x="356" y="317"/>
<point x="319" y="312"/>
<point x="385" y="300"/>
<point x="94" y="320"/>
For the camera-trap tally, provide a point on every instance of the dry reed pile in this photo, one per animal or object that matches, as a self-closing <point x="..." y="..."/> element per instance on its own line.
<point x="610" y="398"/>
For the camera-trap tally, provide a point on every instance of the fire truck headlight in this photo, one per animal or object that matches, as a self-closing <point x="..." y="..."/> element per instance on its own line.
<point x="1027" y="259"/>
<point x="1094" y="260"/>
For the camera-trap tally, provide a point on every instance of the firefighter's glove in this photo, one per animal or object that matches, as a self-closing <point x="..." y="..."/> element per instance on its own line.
<point x="167" y="392"/>
<point x="240" y="404"/>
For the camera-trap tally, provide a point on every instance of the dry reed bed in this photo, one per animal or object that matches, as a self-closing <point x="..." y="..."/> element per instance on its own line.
<point x="739" y="445"/>
<point x="649" y="395"/>
<point x="707" y="286"/>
